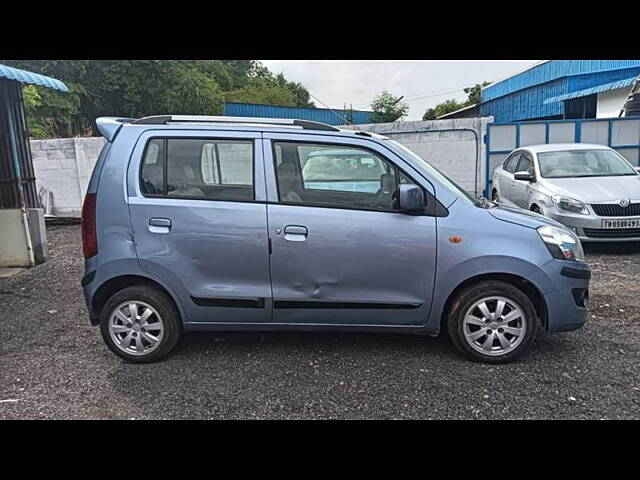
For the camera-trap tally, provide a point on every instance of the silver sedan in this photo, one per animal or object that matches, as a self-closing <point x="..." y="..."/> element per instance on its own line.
<point x="590" y="188"/>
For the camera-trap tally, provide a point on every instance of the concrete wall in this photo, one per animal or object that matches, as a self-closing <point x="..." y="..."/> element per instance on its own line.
<point x="63" y="167"/>
<point x="609" y="104"/>
<point x="13" y="242"/>
<point x="456" y="147"/>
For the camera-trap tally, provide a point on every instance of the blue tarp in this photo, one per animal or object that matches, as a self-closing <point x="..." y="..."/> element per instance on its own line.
<point x="23" y="76"/>
<point x="627" y="82"/>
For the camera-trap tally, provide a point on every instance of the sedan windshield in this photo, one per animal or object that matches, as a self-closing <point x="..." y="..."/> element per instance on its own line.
<point x="583" y="163"/>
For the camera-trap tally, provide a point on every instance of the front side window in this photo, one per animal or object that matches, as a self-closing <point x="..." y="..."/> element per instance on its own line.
<point x="525" y="164"/>
<point x="511" y="163"/>
<point x="583" y="163"/>
<point x="204" y="169"/>
<point x="336" y="176"/>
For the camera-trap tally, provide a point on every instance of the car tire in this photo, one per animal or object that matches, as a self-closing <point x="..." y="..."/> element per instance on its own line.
<point x="492" y="338"/>
<point x="148" y="335"/>
<point x="494" y="196"/>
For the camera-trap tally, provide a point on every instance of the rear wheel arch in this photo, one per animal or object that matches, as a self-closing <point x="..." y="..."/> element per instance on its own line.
<point x="113" y="285"/>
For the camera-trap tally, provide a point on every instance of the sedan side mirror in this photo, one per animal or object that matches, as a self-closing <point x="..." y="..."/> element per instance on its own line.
<point x="637" y="169"/>
<point x="526" y="176"/>
<point x="411" y="198"/>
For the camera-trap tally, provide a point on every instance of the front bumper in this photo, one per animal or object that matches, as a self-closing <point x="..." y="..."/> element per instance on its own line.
<point x="567" y="301"/>
<point x="588" y="228"/>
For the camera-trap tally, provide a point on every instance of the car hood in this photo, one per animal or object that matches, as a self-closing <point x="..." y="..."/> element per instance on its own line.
<point x="597" y="189"/>
<point x="522" y="217"/>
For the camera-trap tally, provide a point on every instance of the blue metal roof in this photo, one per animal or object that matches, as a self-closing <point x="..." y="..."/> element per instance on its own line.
<point x="627" y="82"/>
<point x="552" y="70"/>
<point x="323" y="115"/>
<point x="23" y="76"/>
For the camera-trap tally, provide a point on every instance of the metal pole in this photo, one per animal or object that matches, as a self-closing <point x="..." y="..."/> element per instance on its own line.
<point x="23" y="206"/>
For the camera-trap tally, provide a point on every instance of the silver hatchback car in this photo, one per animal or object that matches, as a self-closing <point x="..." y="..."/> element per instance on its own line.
<point x="590" y="188"/>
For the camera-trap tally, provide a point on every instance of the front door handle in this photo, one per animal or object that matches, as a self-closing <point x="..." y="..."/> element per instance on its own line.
<point x="295" y="233"/>
<point x="159" y="225"/>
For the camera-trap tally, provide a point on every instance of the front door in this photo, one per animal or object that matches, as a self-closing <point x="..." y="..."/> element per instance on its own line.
<point x="521" y="188"/>
<point x="197" y="206"/>
<point x="342" y="253"/>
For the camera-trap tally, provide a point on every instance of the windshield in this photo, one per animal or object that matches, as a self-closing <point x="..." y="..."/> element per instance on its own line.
<point x="442" y="178"/>
<point x="583" y="163"/>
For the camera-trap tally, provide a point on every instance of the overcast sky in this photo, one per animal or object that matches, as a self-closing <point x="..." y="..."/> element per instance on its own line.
<point x="424" y="83"/>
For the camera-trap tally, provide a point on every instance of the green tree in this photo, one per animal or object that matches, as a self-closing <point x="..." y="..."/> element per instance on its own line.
<point x="136" y="88"/>
<point x="474" y="93"/>
<point x="388" y="108"/>
<point x="451" y="105"/>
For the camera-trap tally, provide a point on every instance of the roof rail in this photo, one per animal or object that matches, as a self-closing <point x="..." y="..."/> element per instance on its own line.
<point x="166" y="119"/>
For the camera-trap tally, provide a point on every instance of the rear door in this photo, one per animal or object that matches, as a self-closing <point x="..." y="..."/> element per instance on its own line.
<point x="341" y="251"/>
<point x="197" y="207"/>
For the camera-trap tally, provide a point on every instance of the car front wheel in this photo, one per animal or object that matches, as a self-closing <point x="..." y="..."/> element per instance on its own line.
<point x="492" y="322"/>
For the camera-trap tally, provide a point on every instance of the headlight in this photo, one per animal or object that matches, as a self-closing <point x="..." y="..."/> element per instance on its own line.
<point x="562" y="243"/>
<point x="569" y="204"/>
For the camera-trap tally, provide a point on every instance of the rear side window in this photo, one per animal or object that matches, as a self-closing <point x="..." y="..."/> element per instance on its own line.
<point x="202" y="169"/>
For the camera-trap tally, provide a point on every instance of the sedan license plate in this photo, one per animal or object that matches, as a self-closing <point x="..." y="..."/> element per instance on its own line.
<point x="626" y="223"/>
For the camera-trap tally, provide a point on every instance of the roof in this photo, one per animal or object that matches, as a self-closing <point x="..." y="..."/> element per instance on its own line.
<point x="22" y="76"/>
<point x="110" y="126"/>
<point x="555" y="147"/>
<point x="550" y="70"/>
<point x="627" y="82"/>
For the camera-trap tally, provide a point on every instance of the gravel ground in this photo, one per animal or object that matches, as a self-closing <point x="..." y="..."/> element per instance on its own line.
<point x="53" y="364"/>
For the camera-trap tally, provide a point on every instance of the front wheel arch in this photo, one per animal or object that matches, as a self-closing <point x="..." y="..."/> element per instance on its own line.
<point x="517" y="281"/>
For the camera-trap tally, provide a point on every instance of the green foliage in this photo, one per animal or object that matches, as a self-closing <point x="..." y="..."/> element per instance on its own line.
<point x="137" y="88"/>
<point x="388" y="108"/>
<point x="451" y="105"/>
<point x="474" y="92"/>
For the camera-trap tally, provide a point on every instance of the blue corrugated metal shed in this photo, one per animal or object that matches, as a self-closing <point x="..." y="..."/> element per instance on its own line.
<point x="627" y="82"/>
<point x="23" y="76"/>
<point x="324" y="115"/>
<point x="523" y="96"/>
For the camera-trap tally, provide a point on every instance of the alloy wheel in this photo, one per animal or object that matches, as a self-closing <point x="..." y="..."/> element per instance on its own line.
<point x="494" y="326"/>
<point x="136" y="327"/>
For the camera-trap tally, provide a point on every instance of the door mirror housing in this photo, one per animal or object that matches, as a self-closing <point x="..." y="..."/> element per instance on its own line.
<point x="637" y="169"/>
<point x="411" y="198"/>
<point x="526" y="176"/>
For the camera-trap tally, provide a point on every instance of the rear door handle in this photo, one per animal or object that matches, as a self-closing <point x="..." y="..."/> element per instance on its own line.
<point x="295" y="233"/>
<point x="159" y="225"/>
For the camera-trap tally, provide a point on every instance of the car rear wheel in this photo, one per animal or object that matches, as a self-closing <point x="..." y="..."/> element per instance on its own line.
<point x="492" y="322"/>
<point x="140" y="324"/>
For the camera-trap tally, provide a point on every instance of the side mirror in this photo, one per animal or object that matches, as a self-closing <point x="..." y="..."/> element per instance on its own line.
<point x="411" y="198"/>
<point x="637" y="169"/>
<point x="526" y="176"/>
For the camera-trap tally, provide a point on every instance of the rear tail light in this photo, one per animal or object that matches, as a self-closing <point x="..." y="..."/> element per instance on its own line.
<point x="88" y="223"/>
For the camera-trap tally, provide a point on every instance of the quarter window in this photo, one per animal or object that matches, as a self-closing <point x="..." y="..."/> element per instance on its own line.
<point x="336" y="176"/>
<point x="204" y="169"/>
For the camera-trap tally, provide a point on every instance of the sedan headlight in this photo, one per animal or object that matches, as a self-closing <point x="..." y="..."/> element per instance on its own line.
<point x="562" y="243"/>
<point x="569" y="204"/>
